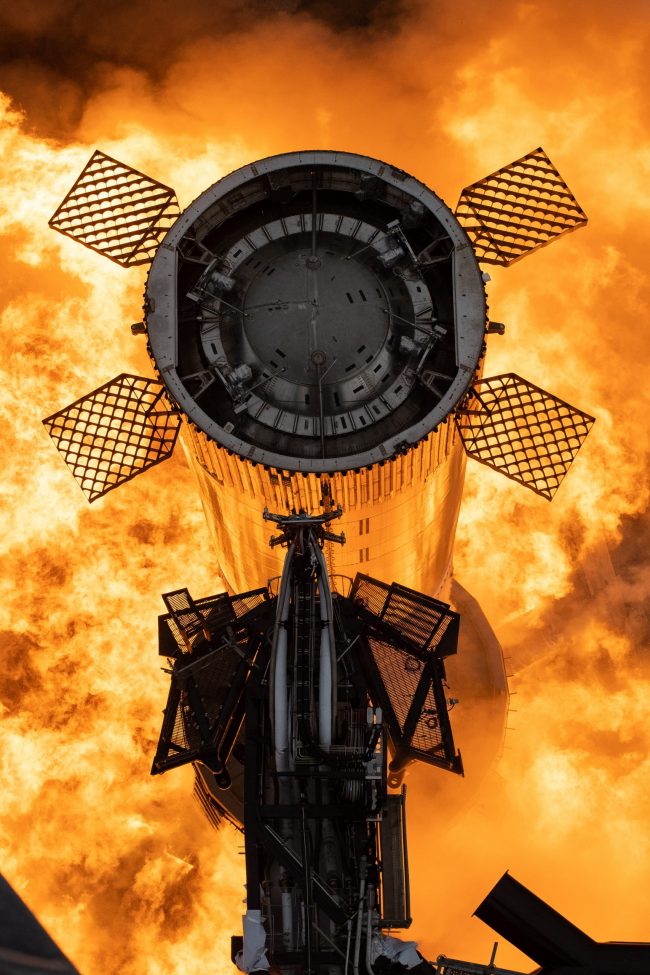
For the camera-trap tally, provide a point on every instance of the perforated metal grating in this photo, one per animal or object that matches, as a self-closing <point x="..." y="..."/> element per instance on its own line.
<point x="517" y="209"/>
<point x="418" y="618"/>
<point x="400" y="674"/>
<point x="114" y="433"/>
<point x="248" y="601"/>
<point x="190" y="621"/>
<point x="415" y="693"/>
<point x="198" y="693"/>
<point x="408" y="636"/>
<point x="186" y="620"/>
<point x="427" y="737"/>
<point x="522" y="431"/>
<point x="116" y="211"/>
<point x="213" y="642"/>
<point x="213" y="675"/>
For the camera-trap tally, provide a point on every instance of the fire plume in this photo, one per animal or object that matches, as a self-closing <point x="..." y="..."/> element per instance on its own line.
<point x="121" y="867"/>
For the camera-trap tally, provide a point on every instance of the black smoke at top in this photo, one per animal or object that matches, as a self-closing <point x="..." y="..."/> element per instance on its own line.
<point x="55" y="56"/>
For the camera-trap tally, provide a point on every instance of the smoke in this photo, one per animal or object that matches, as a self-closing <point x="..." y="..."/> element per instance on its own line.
<point x="119" y="865"/>
<point x="55" y="57"/>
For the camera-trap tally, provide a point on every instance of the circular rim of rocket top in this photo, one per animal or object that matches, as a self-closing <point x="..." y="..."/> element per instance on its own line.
<point x="316" y="311"/>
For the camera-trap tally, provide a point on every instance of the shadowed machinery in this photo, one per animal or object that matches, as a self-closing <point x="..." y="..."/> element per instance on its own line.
<point x="317" y="325"/>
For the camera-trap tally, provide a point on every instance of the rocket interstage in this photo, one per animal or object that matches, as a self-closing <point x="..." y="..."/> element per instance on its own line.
<point x="317" y="322"/>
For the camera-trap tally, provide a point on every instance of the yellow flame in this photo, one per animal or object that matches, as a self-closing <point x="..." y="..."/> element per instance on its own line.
<point x="121" y="867"/>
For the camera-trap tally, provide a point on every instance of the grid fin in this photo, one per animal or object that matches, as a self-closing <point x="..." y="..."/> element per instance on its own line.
<point x="117" y="211"/>
<point x="114" y="433"/>
<point x="518" y="209"/>
<point x="522" y="431"/>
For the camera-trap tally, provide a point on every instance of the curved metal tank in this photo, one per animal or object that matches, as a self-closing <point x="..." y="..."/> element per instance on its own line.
<point x="317" y="316"/>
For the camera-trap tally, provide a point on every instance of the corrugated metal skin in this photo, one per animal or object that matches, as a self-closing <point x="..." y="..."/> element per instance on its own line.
<point x="399" y="519"/>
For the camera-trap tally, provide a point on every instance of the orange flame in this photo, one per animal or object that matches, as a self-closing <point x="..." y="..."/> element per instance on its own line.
<point x="121" y="867"/>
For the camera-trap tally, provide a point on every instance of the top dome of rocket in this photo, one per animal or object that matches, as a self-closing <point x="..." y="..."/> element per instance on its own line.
<point x="316" y="311"/>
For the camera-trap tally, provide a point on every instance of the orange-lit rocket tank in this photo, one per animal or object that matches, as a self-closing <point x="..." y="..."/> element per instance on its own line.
<point x="317" y="316"/>
<point x="317" y="322"/>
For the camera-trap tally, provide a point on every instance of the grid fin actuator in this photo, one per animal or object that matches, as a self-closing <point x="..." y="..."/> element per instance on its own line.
<point x="522" y="431"/>
<point x="117" y="211"/>
<point x="518" y="209"/>
<point x="114" y="433"/>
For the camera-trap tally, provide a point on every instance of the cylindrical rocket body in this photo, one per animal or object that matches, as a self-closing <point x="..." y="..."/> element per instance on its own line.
<point x="399" y="518"/>
<point x="319" y="317"/>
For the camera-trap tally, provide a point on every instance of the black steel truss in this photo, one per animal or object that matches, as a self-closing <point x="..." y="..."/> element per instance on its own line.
<point x="524" y="432"/>
<point x="262" y="840"/>
<point x="218" y="715"/>
<point x="518" y="209"/>
<point x="411" y="694"/>
<point x="191" y="623"/>
<point x="407" y="636"/>
<point x="117" y="211"/>
<point x="115" y="432"/>
<point x="203" y="703"/>
<point x="214" y="645"/>
<point x="411" y="618"/>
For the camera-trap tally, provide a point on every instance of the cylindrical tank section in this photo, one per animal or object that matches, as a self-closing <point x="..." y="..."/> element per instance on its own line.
<point x="317" y="317"/>
<point x="399" y="517"/>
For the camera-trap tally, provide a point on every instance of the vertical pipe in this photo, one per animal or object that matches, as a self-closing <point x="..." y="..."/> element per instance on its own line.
<point x="278" y="681"/>
<point x="327" y="697"/>
<point x="287" y="919"/>
<point x="357" y="936"/>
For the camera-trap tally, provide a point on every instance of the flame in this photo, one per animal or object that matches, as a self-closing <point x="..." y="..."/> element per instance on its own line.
<point x="122" y="868"/>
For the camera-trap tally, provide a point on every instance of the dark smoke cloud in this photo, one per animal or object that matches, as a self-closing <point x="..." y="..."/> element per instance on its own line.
<point x="54" y="56"/>
<point x="448" y="90"/>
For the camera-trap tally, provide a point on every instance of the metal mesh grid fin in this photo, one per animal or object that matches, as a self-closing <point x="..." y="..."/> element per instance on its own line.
<point x="114" y="433"/>
<point x="522" y="431"/>
<point x="518" y="209"/>
<point x="117" y="211"/>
